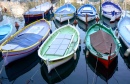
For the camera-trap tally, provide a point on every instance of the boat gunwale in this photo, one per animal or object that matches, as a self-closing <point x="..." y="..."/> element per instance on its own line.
<point x="116" y="41"/>
<point x="62" y="57"/>
<point x="20" y="31"/>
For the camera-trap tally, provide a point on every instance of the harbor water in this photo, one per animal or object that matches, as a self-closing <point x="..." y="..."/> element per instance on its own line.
<point x="83" y="70"/>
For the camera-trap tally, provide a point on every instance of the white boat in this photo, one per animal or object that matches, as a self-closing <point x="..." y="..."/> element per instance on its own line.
<point x="88" y="10"/>
<point x="111" y="10"/>
<point x="65" y="12"/>
<point x="124" y="32"/>
<point x="25" y="41"/>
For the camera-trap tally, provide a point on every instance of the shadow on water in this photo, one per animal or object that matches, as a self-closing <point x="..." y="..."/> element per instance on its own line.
<point x="100" y="70"/>
<point x="122" y="51"/>
<point x="21" y="66"/>
<point x="61" y="72"/>
<point x="82" y="25"/>
<point x="58" y="24"/>
<point x="107" y="23"/>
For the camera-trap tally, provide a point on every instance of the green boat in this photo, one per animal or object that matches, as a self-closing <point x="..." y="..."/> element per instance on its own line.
<point x="102" y="44"/>
<point x="60" y="47"/>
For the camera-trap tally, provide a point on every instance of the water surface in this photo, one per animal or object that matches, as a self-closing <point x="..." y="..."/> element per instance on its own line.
<point x="31" y="70"/>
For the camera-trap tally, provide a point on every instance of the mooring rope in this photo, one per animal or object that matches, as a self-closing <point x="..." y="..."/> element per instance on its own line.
<point x="116" y="79"/>
<point x="31" y="79"/>
<point x="59" y="76"/>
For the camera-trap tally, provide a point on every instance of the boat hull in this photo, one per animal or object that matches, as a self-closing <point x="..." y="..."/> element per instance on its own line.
<point x="37" y="12"/>
<point x="106" y="62"/>
<point x="53" y="65"/>
<point x="111" y="16"/>
<point x="105" y="57"/>
<point x="62" y="19"/>
<point x="86" y="9"/>
<point x="84" y="18"/>
<point x="25" y="41"/>
<point x="31" y="18"/>
<point x="98" y="68"/>
<point x="54" y="56"/>
<point x="12" y="56"/>
<point x="111" y="10"/>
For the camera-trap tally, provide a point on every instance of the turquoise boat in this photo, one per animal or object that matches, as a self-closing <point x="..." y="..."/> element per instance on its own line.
<point x="102" y="44"/>
<point x="6" y="31"/>
<point x="60" y="47"/>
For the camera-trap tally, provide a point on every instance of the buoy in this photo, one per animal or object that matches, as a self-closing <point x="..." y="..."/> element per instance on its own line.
<point x="127" y="52"/>
<point x="75" y="22"/>
<point x="17" y="26"/>
<point x="75" y="56"/>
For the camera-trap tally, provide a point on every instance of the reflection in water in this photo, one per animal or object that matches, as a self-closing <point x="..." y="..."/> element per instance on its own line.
<point x="21" y="66"/>
<point x="61" y="72"/>
<point x="107" y="23"/>
<point x="100" y="70"/>
<point x="122" y="51"/>
<point x="82" y="25"/>
<point x="58" y="24"/>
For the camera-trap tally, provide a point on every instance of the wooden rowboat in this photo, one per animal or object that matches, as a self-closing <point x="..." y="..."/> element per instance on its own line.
<point x="25" y="41"/>
<point x="102" y="44"/>
<point x="59" y="47"/>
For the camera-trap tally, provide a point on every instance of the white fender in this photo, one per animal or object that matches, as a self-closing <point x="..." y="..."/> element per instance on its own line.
<point x="87" y="52"/>
<point x="127" y="52"/>
<point x="75" y="56"/>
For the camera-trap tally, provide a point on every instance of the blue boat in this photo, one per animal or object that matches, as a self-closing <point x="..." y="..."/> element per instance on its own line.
<point x="124" y="31"/>
<point x="111" y="10"/>
<point x="65" y="12"/>
<point x="88" y="10"/>
<point x="6" y="30"/>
